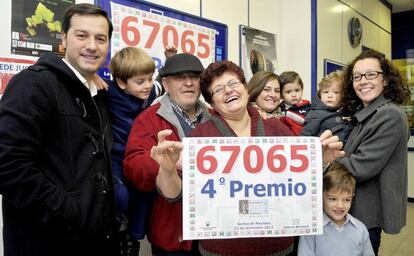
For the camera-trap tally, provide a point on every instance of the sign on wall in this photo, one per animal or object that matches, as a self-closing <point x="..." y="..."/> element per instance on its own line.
<point x="10" y="67"/>
<point x="331" y="66"/>
<point x="152" y="27"/>
<point x="257" y="51"/>
<point x="251" y="187"/>
<point x="37" y="27"/>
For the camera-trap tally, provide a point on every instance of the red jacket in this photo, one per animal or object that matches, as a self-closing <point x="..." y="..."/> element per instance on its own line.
<point x="294" y="116"/>
<point x="140" y="171"/>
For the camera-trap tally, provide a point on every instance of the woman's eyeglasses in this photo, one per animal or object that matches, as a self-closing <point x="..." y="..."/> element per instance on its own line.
<point x="220" y="88"/>
<point x="370" y="75"/>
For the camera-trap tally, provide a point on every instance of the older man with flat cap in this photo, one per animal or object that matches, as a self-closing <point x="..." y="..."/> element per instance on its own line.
<point x="179" y="111"/>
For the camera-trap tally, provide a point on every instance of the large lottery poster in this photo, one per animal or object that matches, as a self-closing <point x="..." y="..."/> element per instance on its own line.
<point x="152" y="27"/>
<point x="37" y="27"/>
<point x="251" y="187"/>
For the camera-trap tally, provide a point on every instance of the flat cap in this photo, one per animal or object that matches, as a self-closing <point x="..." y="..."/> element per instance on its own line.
<point x="181" y="63"/>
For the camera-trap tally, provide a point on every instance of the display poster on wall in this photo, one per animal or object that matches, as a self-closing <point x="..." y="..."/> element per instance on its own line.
<point x="10" y="67"/>
<point x="232" y="187"/>
<point x="406" y="68"/>
<point x="152" y="27"/>
<point x="257" y="51"/>
<point x="331" y="66"/>
<point x="36" y="26"/>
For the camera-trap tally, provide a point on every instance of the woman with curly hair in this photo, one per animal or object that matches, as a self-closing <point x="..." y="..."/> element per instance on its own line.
<point x="376" y="151"/>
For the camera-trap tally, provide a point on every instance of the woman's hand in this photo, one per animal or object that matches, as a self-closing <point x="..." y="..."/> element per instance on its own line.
<point x="99" y="82"/>
<point x="331" y="147"/>
<point x="262" y="114"/>
<point x="167" y="154"/>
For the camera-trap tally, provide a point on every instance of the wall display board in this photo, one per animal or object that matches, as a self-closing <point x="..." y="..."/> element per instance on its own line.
<point x="36" y="26"/>
<point x="251" y="187"/>
<point x="152" y="27"/>
<point x="257" y="51"/>
<point x="10" y="67"/>
<point x="406" y="67"/>
<point x="331" y="66"/>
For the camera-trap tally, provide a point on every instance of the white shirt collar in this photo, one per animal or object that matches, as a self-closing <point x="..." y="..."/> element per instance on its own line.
<point x="348" y="218"/>
<point x="91" y="86"/>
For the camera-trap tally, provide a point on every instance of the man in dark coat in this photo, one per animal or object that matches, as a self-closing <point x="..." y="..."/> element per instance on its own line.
<point x="55" y="172"/>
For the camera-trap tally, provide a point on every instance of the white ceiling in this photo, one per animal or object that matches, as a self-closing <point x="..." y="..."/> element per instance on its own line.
<point x="401" y="5"/>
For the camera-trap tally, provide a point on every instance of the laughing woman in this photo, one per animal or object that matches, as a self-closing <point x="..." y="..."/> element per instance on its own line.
<point x="223" y="86"/>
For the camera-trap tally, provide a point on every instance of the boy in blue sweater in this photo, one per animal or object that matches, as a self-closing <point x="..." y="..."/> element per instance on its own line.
<point x="342" y="233"/>
<point x="130" y="91"/>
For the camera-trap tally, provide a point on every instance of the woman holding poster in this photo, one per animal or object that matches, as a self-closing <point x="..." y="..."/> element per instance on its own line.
<point x="223" y="85"/>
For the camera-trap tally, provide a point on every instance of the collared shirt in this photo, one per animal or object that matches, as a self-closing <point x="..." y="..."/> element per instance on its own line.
<point x="351" y="239"/>
<point x="91" y="86"/>
<point x="367" y="111"/>
<point x="328" y="221"/>
<point x="182" y="113"/>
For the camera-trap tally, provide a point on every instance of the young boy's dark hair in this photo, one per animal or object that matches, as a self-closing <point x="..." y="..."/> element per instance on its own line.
<point x="289" y="77"/>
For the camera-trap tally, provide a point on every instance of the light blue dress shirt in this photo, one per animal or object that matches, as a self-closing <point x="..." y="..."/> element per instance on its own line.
<point x="350" y="239"/>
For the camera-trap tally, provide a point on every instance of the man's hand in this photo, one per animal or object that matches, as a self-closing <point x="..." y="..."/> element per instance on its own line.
<point x="170" y="50"/>
<point x="99" y="82"/>
<point x="167" y="154"/>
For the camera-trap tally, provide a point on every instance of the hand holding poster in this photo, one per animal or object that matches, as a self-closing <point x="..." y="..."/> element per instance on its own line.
<point x="251" y="187"/>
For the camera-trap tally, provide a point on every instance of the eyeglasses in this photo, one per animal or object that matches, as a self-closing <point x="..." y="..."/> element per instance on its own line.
<point x="184" y="76"/>
<point x="370" y="75"/>
<point x="220" y="88"/>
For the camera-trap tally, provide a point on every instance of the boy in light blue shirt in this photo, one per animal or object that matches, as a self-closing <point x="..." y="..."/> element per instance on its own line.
<point x="342" y="233"/>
